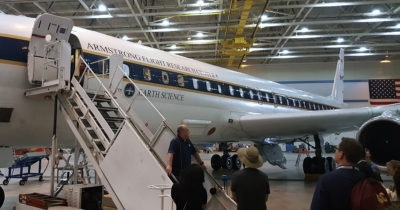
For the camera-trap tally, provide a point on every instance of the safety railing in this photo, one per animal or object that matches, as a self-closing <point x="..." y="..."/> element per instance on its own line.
<point x="162" y="189"/>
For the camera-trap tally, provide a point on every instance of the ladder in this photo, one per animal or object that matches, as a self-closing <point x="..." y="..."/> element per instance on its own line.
<point x="125" y="139"/>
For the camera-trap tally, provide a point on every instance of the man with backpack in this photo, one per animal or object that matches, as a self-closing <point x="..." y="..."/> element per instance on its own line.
<point x="334" y="188"/>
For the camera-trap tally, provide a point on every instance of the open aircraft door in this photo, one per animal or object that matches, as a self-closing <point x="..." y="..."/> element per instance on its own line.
<point x="49" y="57"/>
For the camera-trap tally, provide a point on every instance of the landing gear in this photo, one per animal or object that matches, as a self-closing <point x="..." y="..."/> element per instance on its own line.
<point x="226" y="162"/>
<point x="236" y="163"/>
<point x="318" y="164"/>
<point x="5" y="182"/>
<point x="216" y="162"/>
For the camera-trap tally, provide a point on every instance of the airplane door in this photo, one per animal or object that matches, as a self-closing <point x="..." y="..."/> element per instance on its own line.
<point x="49" y="56"/>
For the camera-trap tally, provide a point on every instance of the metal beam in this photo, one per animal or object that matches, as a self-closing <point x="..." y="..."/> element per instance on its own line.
<point x="258" y="49"/>
<point x="14" y="9"/>
<point x="393" y="33"/>
<point x="308" y="56"/>
<point x="144" y="19"/>
<point x="40" y="7"/>
<point x="333" y="4"/>
<point x="84" y="5"/>
<point x="265" y="25"/>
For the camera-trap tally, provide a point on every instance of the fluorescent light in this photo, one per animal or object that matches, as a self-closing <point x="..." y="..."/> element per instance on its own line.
<point x="200" y="2"/>
<point x="398" y="25"/>
<point x="362" y="49"/>
<point x="304" y="29"/>
<point x="340" y="40"/>
<point x="200" y="34"/>
<point x="285" y="52"/>
<point x="375" y="12"/>
<point x="173" y="47"/>
<point x="125" y="37"/>
<point x="385" y="61"/>
<point x="165" y="22"/>
<point x="102" y="7"/>
<point x="264" y="17"/>
<point x="189" y="38"/>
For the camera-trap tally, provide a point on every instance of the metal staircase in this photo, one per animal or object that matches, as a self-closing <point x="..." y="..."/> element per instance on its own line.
<point x="126" y="140"/>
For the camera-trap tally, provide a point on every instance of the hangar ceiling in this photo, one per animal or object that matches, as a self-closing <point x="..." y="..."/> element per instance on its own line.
<point x="237" y="33"/>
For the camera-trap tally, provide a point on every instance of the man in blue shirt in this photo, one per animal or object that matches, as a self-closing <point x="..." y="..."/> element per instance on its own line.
<point x="334" y="189"/>
<point x="180" y="151"/>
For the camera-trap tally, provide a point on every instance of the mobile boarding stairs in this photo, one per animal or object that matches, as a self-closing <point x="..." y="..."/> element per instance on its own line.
<point x="113" y="130"/>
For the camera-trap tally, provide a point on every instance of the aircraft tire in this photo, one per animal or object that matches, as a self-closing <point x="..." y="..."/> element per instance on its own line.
<point x="318" y="165"/>
<point x="237" y="164"/>
<point x="216" y="162"/>
<point x="227" y="162"/>
<point x="330" y="164"/>
<point x="2" y="196"/>
<point x="307" y="164"/>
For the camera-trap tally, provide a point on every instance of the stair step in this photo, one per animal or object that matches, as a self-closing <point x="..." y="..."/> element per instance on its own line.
<point x="114" y="119"/>
<point x="107" y="109"/>
<point x="99" y="98"/>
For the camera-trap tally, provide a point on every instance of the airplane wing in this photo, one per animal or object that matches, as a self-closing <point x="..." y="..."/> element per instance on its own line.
<point x="309" y="122"/>
<point x="378" y="129"/>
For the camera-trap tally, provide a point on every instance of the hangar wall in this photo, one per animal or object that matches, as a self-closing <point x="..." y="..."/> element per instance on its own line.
<point x="318" y="78"/>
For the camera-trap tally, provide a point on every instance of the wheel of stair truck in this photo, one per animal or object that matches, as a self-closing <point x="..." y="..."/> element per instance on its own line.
<point x="237" y="164"/>
<point x="40" y="178"/>
<point x="1" y="197"/>
<point x="5" y="182"/>
<point x="22" y="182"/>
<point x="330" y="164"/>
<point x="318" y="165"/>
<point x="216" y="162"/>
<point x="307" y="163"/>
<point x="227" y="161"/>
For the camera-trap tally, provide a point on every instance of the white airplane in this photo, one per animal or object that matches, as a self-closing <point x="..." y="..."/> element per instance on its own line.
<point x="218" y="104"/>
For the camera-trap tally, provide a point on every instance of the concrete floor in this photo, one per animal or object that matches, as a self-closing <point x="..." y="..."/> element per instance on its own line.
<point x="289" y="191"/>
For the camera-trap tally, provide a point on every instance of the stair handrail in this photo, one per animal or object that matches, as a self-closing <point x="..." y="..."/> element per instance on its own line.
<point x="88" y="68"/>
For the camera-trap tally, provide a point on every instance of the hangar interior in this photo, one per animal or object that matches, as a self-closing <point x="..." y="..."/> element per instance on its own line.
<point x="292" y="42"/>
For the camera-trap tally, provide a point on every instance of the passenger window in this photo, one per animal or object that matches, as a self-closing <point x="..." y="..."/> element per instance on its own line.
<point x="195" y="84"/>
<point x="208" y="86"/>
<point x="147" y="74"/>
<point x="290" y="102"/>
<point x="231" y="90"/>
<point x="219" y="89"/>
<point x="126" y="69"/>
<point x="181" y="80"/>
<point x="296" y="103"/>
<point x="165" y="77"/>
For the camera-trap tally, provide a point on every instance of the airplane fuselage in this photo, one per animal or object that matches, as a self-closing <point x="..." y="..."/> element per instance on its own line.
<point x="204" y="96"/>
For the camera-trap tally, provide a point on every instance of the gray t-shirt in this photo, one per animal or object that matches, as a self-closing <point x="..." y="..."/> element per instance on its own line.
<point x="251" y="187"/>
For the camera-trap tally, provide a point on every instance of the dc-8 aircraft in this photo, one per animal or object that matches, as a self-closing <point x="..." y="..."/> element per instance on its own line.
<point x="217" y="104"/>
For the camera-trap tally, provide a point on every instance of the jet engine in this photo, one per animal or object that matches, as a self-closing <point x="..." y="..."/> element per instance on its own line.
<point x="381" y="135"/>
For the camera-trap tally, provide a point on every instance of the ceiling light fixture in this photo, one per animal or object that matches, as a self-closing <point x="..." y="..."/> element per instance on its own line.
<point x="362" y="49"/>
<point x="304" y="30"/>
<point x="386" y="60"/>
<point x="375" y="12"/>
<point x="200" y="2"/>
<point x="125" y="37"/>
<point x="173" y="47"/>
<point x="200" y="34"/>
<point x="398" y="25"/>
<point x="285" y="52"/>
<point x="264" y="17"/>
<point x="165" y="22"/>
<point x="102" y="8"/>
<point x="340" y="40"/>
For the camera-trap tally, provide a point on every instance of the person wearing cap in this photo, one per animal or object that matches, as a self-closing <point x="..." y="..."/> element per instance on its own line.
<point x="180" y="151"/>
<point x="250" y="186"/>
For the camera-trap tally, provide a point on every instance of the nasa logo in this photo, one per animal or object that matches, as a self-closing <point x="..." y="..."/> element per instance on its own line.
<point x="129" y="90"/>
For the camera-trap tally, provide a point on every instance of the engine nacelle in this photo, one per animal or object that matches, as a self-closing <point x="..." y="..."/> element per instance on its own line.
<point x="381" y="135"/>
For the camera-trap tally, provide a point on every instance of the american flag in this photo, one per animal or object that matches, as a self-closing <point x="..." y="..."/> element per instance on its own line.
<point x="384" y="91"/>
